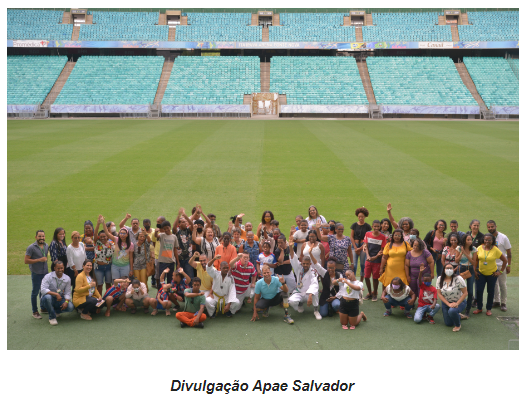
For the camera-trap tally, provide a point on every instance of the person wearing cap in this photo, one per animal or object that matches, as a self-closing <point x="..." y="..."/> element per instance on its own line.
<point x="223" y="298"/>
<point x="56" y="291"/>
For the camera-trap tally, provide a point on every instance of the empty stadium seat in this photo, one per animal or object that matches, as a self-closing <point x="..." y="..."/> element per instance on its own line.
<point x="413" y="27"/>
<point x="124" y="26"/>
<point x="200" y="80"/>
<point x="317" y="80"/>
<point x="424" y="81"/>
<point x="494" y="79"/>
<point x="37" y="25"/>
<point x="491" y="26"/>
<point x="224" y="27"/>
<point x="112" y="80"/>
<point x="30" y="78"/>
<point x="311" y="27"/>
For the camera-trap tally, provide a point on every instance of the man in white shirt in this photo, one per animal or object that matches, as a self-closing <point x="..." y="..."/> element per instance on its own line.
<point x="223" y="297"/>
<point x="307" y="285"/>
<point x="56" y="291"/>
<point x="503" y="243"/>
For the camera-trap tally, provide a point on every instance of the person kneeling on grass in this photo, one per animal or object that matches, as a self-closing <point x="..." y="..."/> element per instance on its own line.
<point x="350" y="303"/>
<point x="178" y="285"/>
<point x="85" y="290"/>
<point x="162" y="301"/>
<point x="452" y="291"/>
<point x="427" y="298"/>
<point x="244" y="275"/>
<point x="307" y="288"/>
<point x="137" y="297"/>
<point x="56" y="291"/>
<point x="332" y="289"/>
<point x="115" y="295"/>
<point x="223" y="298"/>
<point x="195" y="303"/>
<point x="398" y="294"/>
<point x="268" y="294"/>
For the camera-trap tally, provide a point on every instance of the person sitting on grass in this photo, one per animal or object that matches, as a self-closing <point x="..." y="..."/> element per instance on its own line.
<point x="137" y="296"/>
<point x="195" y="303"/>
<point x="427" y="298"/>
<point x="162" y="300"/>
<point x="56" y="291"/>
<point x="397" y="293"/>
<point x="350" y="304"/>
<point x="222" y="298"/>
<point x="178" y="285"/>
<point x="268" y="293"/>
<point x="115" y="295"/>
<point x="452" y="291"/>
<point x="85" y="290"/>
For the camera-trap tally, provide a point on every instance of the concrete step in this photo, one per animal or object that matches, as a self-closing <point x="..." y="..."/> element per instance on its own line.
<point x="66" y="17"/>
<point x="463" y="19"/>
<point x="89" y="19"/>
<point x="441" y="20"/>
<point x="469" y="83"/>
<point x="282" y="99"/>
<point x="359" y="34"/>
<point x="275" y="20"/>
<point x="455" y="33"/>
<point x="247" y="100"/>
<point x="255" y="20"/>
<point x="172" y="33"/>
<point x="366" y="81"/>
<point x="346" y="21"/>
<point x="265" y="34"/>
<point x="164" y="79"/>
<point x="369" y="19"/>
<point x="265" y="77"/>
<point x="59" y="84"/>
<point x="75" y="32"/>
<point x="183" y="20"/>
<point x="162" y="19"/>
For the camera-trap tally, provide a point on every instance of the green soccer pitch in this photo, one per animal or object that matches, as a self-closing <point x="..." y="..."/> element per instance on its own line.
<point x="61" y="173"/>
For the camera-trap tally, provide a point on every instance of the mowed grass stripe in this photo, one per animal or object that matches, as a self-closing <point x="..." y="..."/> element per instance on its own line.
<point x="31" y="174"/>
<point x="415" y="189"/>
<point x="299" y="170"/>
<point x="220" y="173"/>
<point x="105" y="186"/>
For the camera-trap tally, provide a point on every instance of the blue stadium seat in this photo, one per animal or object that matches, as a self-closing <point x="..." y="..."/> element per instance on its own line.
<point x="224" y="27"/>
<point x="491" y="26"/>
<point x="37" y="25"/>
<point x="311" y="27"/>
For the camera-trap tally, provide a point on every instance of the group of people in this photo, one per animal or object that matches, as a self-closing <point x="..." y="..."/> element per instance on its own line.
<point x="200" y="271"/>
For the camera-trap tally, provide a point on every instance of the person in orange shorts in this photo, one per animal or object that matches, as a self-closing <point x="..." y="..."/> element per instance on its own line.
<point x="195" y="303"/>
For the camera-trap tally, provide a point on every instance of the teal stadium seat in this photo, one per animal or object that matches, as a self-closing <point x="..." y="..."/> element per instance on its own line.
<point x="215" y="27"/>
<point x="491" y="26"/>
<point x="30" y="78"/>
<point x="202" y="80"/>
<point x="37" y="25"/>
<point x="495" y="80"/>
<point x="112" y="80"/>
<point x="124" y="26"/>
<point x="428" y="81"/>
<point x="311" y="27"/>
<point x="410" y="27"/>
<point x="317" y="80"/>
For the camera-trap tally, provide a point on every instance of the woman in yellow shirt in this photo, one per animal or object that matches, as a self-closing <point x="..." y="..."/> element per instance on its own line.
<point x="85" y="295"/>
<point x="488" y="272"/>
<point x="394" y="259"/>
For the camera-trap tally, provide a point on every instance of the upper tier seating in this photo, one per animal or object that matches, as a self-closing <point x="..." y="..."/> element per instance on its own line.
<point x="311" y="27"/>
<point x="124" y="26"/>
<point x="37" y="25"/>
<point x="494" y="80"/>
<point x="218" y="27"/>
<point x="112" y="80"/>
<point x="30" y="78"/>
<point x="199" y="80"/>
<point x="413" y="27"/>
<point x="491" y="26"/>
<point x="317" y="80"/>
<point x="417" y="81"/>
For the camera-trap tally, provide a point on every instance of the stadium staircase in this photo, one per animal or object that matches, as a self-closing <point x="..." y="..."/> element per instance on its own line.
<point x="164" y="79"/>
<point x="66" y="17"/>
<point x="89" y="19"/>
<point x="366" y="81"/>
<point x="359" y="35"/>
<point x="464" y="19"/>
<point x="172" y="34"/>
<point x="265" y="34"/>
<point x="275" y="20"/>
<point x="467" y="80"/>
<point x="162" y="19"/>
<point x="455" y="33"/>
<point x="75" y="32"/>
<point x="442" y="20"/>
<point x="265" y="76"/>
<point x="55" y="90"/>
<point x="183" y="20"/>
<point x="346" y="21"/>
<point x="247" y="100"/>
<point x="369" y="19"/>
<point x="255" y="20"/>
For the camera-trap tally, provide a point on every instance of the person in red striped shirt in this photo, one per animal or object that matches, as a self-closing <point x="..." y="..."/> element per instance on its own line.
<point x="244" y="275"/>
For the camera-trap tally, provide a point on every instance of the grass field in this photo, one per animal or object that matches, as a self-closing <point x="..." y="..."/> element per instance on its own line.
<point x="61" y="173"/>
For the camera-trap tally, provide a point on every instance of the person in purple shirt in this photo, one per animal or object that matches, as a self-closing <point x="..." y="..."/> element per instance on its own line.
<point x="414" y="259"/>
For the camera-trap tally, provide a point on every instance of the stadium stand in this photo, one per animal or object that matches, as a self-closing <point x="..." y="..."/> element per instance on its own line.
<point x="417" y="81"/>
<point x="30" y="78"/>
<point x="494" y="79"/>
<point x="310" y="27"/>
<point x="412" y="27"/>
<point x="209" y="27"/>
<point x="491" y="26"/>
<point x="125" y="26"/>
<point x="317" y="80"/>
<point x="515" y="65"/>
<point x="112" y="80"/>
<point x="37" y="25"/>
<point x="198" y="80"/>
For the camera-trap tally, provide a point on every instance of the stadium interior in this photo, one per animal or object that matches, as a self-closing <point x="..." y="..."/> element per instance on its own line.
<point x="253" y="63"/>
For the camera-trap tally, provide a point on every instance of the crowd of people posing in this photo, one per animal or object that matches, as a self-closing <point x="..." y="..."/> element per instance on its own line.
<point x="198" y="269"/>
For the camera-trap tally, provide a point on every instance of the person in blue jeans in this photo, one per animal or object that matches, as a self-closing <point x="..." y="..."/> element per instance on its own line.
<point x="452" y="291"/>
<point x="37" y="258"/>
<point x="398" y="294"/>
<point x="427" y="298"/>
<point x="468" y="261"/>
<point x="332" y="289"/>
<point x="56" y="291"/>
